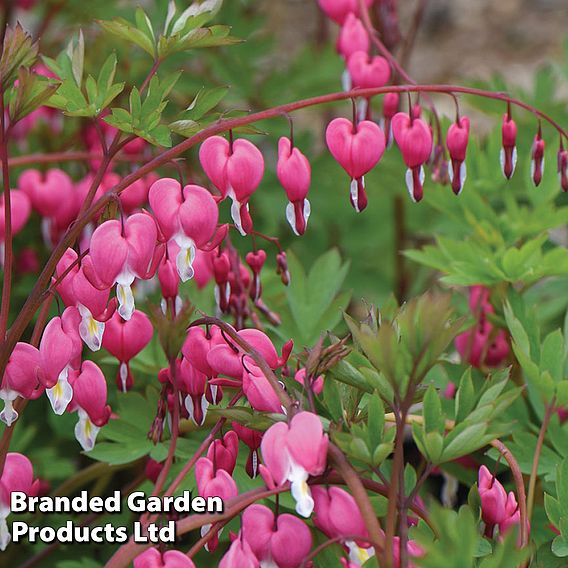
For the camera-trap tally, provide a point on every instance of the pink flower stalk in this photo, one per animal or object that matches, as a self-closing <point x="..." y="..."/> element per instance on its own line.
<point x="20" y="208"/>
<point x="60" y="351"/>
<point x="239" y="555"/>
<point x="414" y="138"/>
<point x="252" y="438"/>
<point x="456" y="141"/>
<point x="223" y="452"/>
<point x="294" y="172"/>
<point x="338" y="10"/>
<point x="18" y="475"/>
<point x="123" y="252"/>
<point x="292" y="452"/>
<point x="562" y="162"/>
<point x="282" y="541"/>
<point x="76" y="290"/>
<point x="236" y="169"/>
<point x="20" y="379"/>
<point x="153" y="558"/>
<point x="508" y="156"/>
<point x="188" y="217"/>
<point x="358" y="149"/>
<point x="537" y="158"/>
<point x="391" y="103"/>
<point x="124" y="339"/>
<point x="90" y="401"/>
<point x="368" y="72"/>
<point x="317" y="383"/>
<point x="352" y="37"/>
<point x="214" y="482"/>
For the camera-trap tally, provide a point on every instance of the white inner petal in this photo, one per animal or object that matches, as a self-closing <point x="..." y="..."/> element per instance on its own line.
<point x="61" y="394"/>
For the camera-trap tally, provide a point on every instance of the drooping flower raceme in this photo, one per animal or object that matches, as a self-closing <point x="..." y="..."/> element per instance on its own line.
<point x="294" y="452"/>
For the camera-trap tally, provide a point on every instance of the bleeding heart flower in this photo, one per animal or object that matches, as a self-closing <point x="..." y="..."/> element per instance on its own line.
<point x="252" y="438"/>
<point x="136" y="194"/>
<point x="20" y="208"/>
<point x="20" y="379"/>
<point x="213" y="482"/>
<point x="391" y="103"/>
<point x="337" y="515"/>
<point x="282" y="541"/>
<point x="223" y="452"/>
<point x="292" y="452"/>
<point x="188" y="217"/>
<point x="239" y="555"/>
<point x="456" y="141"/>
<point x="153" y="558"/>
<point x="122" y="253"/>
<point x="76" y="290"/>
<point x="562" y="165"/>
<point x="294" y="173"/>
<point x="352" y="37"/>
<point x="236" y="170"/>
<point x="18" y="475"/>
<point x="414" y="138"/>
<point x="49" y="192"/>
<point x="316" y="384"/>
<point x="197" y="345"/>
<point x="338" y="10"/>
<point x="259" y="391"/>
<point x="60" y="351"/>
<point x="358" y="149"/>
<point x="368" y="72"/>
<point x="493" y="499"/>
<point x="537" y="158"/>
<point x="90" y="401"/>
<point x="124" y="339"/>
<point x="508" y="156"/>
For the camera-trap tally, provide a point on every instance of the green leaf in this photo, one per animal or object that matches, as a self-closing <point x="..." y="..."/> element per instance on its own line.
<point x="552" y="355"/>
<point x="124" y="30"/>
<point x="376" y="420"/>
<point x="434" y="419"/>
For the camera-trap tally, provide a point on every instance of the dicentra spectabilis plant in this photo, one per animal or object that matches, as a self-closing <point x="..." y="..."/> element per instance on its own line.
<point x="191" y="334"/>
